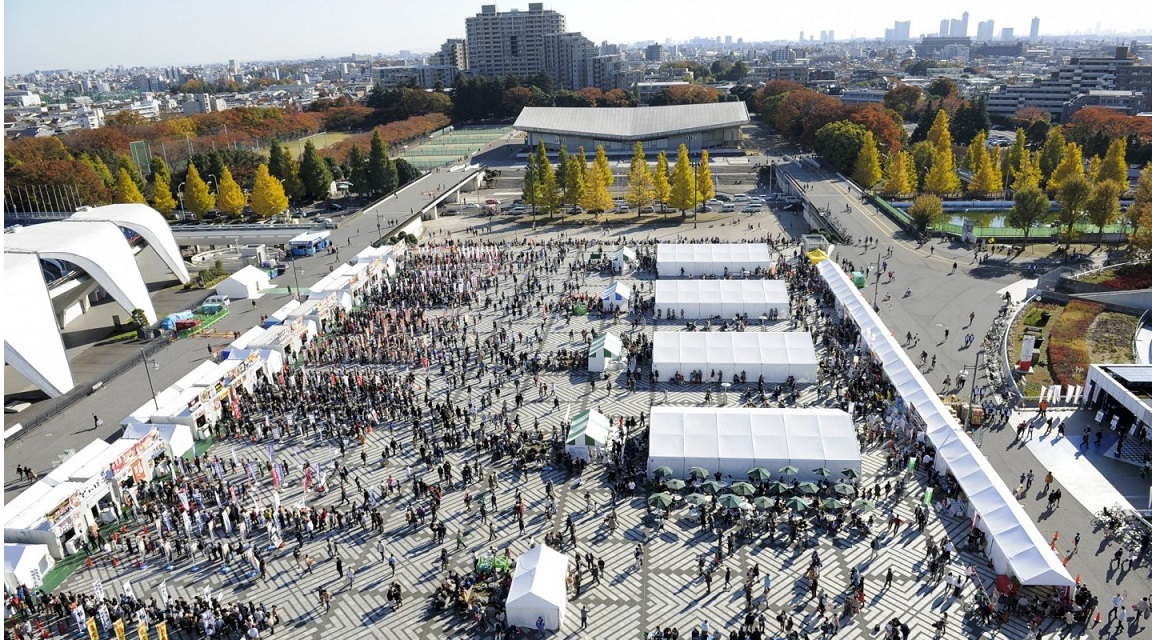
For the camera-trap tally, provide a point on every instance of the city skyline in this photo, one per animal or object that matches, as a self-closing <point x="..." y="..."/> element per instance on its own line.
<point x="134" y="33"/>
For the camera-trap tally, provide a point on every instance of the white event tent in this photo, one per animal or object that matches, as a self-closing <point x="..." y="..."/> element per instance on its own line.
<point x="683" y="260"/>
<point x="248" y="282"/>
<point x="1015" y="544"/>
<point x="538" y="589"/>
<point x="616" y="296"/>
<point x="623" y="258"/>
<point x="726" y="298"/>
<point x="604" y="348"/>
<point x="26" y="564"/>
<point x="774" y="355"/>
<point x="733" y="440"/>
<point x="590" y="430"/>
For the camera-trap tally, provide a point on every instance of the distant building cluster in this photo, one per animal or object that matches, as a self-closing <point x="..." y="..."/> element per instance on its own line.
<point x="1057" y="75"/>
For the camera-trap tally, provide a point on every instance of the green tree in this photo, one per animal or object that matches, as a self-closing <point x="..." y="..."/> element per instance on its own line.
<point x="357" y="170"/>
<point x="1052" y="151"/>
<point x="1015" y="159"/>
<point x="705" y="190"/>
<point x="641" y="187"/>
<point x="197" y="198"/>
<point x="662" y="189"/>
<point x="126" y="162"/>
<point x="939" y="135"/>
<point x="97" y="163"/>
<point x="157" y="167"/>
<point x="382" y="177"/>
<point x="839" y="143"/>
<point x="1142" y="202"/>
<point x="126" y="190"/>
<point x="1029" y="208"/>
<point x="574" y="177"/>
<point x="867" y="171"/>
<point x="1072" y="197"/>
<point x="276" y="157"/>
<point x="683" y="196"/>
<point x="926" y="211"/>
<point x="596" y="198"/>
<point x="898" y="181"/>
<point x="405" y="172"/>
<point x="530" y="186"/>
<point x="1114" y="167"/>
<point x="162" y="199"/>
<point x="986" y="178"/>
<point x="1028" y="175"/>
<point x="1103" y="206"/>
<point x="314" y="173"/>
<point x="942" y="179"/>
<point x="601" y="165"/>
<point x="230" y="198"/>
<point x="562" y="159"/>
<point x="548" y="197"/>
<point x="1071" y="166"/>
<point x="268" y="197"/>
<point x="922" y="155"/>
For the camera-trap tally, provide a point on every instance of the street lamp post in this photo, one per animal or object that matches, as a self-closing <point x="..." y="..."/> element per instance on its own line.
<point x="215" y="183"/>
<point x="180" y="194"/>
<point x="972" y="395"/>
<point x="146" y="362"/>
<point x="295" y="276"/>
<point x="876" y="288"/>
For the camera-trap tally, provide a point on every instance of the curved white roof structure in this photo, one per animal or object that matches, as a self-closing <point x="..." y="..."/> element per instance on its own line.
<point x="93" y="241"/>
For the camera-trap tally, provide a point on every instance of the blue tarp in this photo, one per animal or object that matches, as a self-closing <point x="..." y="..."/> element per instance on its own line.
<point x="169" y="323"/>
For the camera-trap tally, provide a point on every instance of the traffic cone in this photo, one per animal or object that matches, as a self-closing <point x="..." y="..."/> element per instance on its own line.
<point x="1066" y="559"/>
<point x="1097" y="618"/>
<point x="89" y="562"/>
<point x="115" y="562"/>
<point x="1077" y="578"/>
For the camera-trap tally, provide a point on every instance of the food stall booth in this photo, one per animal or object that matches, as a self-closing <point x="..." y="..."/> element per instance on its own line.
<point x="280" y="314"/>
<point x="126" y="462"/>
<point x="287" y="338"/>
<point x="193" y="407"/>
<point x="49" y="515"/>
<point x="320" y="309"/>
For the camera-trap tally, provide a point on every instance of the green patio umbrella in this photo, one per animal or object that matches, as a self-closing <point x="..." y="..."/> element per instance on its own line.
<point x="698" y="472"/>
<point x="697" y="499"/>
<point x="711" y="486"/>
<point x="742" y="489"/>
<point x="863" y="506"/>
<point x="789" y="470"/>
<point x="662" y="500"/>
<point x="662" y="472"/>
<point x="763" y="502"/>
<point x="797" y="504"/>
<point x="844" y="489"/>
<point x="675" y="484"/>
<point x="759" y="474"/>
<point x="833" y="503"/>
<point x="822" y="472"/>
<point x="851" y="473"/>
<point x="730" y="501"/>
<point x="779" y="487"/>
<point x="808" y="487"/>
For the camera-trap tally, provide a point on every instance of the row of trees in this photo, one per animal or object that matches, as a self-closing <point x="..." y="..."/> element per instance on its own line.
<point x="572" y="182"/>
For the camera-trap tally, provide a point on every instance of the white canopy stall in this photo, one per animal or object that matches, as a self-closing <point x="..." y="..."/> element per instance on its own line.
<point x="538" y="589"/>
<point x="589" y="431"/>
<point x="774" y="355"/>
<point x="605" y="348"/>
<point x="623" y="259"/>
<point x="249" y="282"/>
<point x="692" y="260"/>
<point x="177" y="437"/>
<point x="733" y="440"/>
<point x="26" y="564"/>
<point x="616" y="296"/>
<point x="726" y="298"/>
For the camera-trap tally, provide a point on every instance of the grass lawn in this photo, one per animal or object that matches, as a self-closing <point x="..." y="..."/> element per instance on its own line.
<point x="1040" y="376"/>
<point x="321" y="140"/>
<point x="1132" y="276"/>
<point x="1110" y="337"/>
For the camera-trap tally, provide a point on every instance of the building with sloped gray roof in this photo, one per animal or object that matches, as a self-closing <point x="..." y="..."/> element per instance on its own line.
<point x="713" y="127"/>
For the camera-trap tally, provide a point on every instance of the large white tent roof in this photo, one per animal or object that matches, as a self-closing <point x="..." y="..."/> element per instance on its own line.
<point x="775" y="355"/>
<point x="1016" y="542"/>
<point x="710" y="259"/>
<point x="631" y="124"/>
<point x="67" y="470"/>
<point x="708" y="298"/>
<point x="245" y="283"/>
<point x="589" y="428"/>
<point x="733" y="440"/>
<point x="538" y="588"/>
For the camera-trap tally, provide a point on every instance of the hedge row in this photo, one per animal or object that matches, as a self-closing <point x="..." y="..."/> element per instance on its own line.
<point x="1068" y="342"/>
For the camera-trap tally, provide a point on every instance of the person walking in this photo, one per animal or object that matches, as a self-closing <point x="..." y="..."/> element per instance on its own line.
<point x="392" y="564"/>
<point x="583" y="616"/>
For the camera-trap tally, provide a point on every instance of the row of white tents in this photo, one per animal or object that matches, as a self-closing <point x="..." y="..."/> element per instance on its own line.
<point x="723" y="298"/>
<point x="733" y="440"/>
<point x="1015" y="545"/>
<point x="774" y="355"/>
<point x="698" y="259"/>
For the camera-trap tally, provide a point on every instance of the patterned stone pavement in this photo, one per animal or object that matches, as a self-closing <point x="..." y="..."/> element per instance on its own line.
<point x="665" y="592"/>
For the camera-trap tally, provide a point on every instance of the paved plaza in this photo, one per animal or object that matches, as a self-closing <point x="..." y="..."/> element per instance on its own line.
<point x="667" y="591"/>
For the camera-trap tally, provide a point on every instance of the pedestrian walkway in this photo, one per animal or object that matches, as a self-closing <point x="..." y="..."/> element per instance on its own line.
<point x="1075" y="473"/>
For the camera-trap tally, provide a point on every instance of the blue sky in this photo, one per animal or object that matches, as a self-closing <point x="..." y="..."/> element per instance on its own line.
<point x="93" y="35"/>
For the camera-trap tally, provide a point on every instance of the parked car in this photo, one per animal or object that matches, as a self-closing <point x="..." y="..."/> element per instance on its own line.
<point x="218" y="299"/>
<point x="752" y="208"/>
<point x="517" y="209"/>
<point x="648" y="209"/>
<point x="723" y="197"/>
<point x="740" y="197"/>
<point x="575" y="211"/>
<point x="622" y="208"/>
<point x="713" y="202"/>
<point x="328" y="223"/>
<point x="728" y="208"/>
<point x="335" y="206"/>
